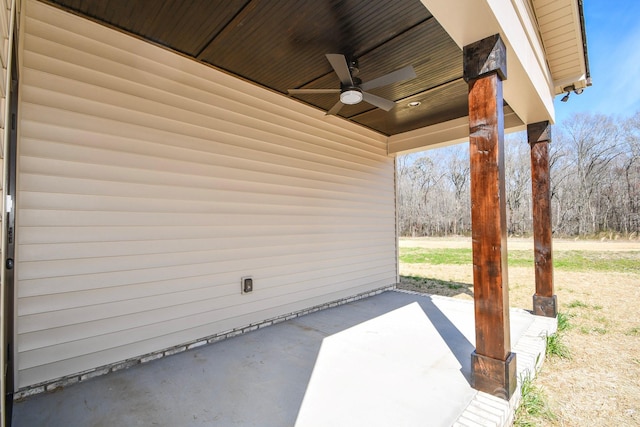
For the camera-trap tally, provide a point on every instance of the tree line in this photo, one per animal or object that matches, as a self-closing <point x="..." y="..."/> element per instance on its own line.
<point x="595" y="182"/>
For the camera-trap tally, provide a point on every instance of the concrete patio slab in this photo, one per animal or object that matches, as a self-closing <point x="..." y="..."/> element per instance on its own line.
<point x="397" y="358"/>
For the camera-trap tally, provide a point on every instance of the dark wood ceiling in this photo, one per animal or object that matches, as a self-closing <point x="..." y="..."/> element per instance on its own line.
<point x="281" y="44"/>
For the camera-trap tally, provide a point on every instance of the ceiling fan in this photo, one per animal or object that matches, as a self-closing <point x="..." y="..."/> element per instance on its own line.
<point x="352" y="89"/>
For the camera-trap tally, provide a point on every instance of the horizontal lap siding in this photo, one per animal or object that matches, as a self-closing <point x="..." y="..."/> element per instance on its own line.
<point x="149" y="185"/>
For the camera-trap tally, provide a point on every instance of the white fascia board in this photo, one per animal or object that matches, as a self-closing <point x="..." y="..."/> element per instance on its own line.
<point x="435" y="136"/>
<point x="442" y="135"/>
<point x="528" y="88"/>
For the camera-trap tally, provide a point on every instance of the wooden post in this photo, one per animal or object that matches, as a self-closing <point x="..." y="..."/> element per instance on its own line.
<point x="493" y="365"/>
<point x="544" y="301"/>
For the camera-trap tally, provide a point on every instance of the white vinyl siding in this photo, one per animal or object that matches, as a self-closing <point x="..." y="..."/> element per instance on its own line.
<point x="150" y="184"/>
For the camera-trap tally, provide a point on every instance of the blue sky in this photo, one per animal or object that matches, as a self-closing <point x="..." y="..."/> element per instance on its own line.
<point x="613" y="43"/>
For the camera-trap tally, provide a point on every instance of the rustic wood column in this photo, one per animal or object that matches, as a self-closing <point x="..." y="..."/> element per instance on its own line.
<point x="493" y="365"/>
<point x="544" y="301"/>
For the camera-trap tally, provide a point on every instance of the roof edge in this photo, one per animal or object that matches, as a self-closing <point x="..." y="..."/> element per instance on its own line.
<point x="583" y="30"/>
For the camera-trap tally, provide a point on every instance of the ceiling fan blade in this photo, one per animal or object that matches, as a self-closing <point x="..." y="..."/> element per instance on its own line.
<point x="379" y="102"/>
<point x="334" y="110"/>
<point x="297" y="91"/>
<point x="340" y="66"/>
<point x="405" y="73"/>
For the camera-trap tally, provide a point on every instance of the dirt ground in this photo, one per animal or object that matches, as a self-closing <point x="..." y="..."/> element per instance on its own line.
<point x="600" y="384"/>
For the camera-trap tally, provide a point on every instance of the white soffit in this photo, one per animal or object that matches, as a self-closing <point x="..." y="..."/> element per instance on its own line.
<point x="528" y="88"/>
<point x="561" y="32"/>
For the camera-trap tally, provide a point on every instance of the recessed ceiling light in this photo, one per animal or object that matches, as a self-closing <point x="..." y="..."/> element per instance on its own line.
<point x="414" y="104"/>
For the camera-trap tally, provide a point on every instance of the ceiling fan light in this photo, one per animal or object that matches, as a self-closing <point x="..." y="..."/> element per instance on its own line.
<point x="351" y="96"/>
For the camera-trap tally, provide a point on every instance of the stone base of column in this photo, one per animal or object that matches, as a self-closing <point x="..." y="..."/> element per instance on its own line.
<point x="545" y="306"/>
<point x="494" y="376"/>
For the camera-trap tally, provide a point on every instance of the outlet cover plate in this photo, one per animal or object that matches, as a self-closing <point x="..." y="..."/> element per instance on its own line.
<point x="246" y="284"/>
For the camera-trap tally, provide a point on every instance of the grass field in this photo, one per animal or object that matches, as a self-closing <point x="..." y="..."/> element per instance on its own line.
<point x="597" y="383"/>
<point x="566" y="260"/>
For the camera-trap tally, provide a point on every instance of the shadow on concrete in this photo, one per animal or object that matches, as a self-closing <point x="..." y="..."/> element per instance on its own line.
<point x="457" y="342"/>
<point x="260" y="378"/>
<point x="434" y="286"/>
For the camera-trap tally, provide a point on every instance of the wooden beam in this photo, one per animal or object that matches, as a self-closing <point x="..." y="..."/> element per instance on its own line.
<point x="493" y="366"/>
<point x="544" y="301"/>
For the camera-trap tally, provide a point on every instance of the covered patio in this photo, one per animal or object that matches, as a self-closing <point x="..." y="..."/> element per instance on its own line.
<point x="395" y="358"/>
<point x="177" y="173"/>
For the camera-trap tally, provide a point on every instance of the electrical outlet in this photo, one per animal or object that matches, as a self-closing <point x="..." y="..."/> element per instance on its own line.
<point x="246" y="284"/>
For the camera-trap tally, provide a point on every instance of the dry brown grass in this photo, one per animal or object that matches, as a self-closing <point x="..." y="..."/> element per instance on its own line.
<point x="600" y="384"/>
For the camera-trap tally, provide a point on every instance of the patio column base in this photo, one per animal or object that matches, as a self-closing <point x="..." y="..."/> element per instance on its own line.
<point x="494" y="376"/>
<point x="545" y="306"/>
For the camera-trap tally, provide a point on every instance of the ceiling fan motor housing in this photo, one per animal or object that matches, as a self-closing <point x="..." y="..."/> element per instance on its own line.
<point x="351" y="96"/>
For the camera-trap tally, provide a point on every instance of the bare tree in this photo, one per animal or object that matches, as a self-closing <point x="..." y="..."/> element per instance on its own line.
<point x="594" y="142"/>
<point x="458" y="174"/>
<point x="595" y="182"/>
<point x="631" y="169"/>
<point x="426" y="203"/>
<point x="518" y="184"/>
